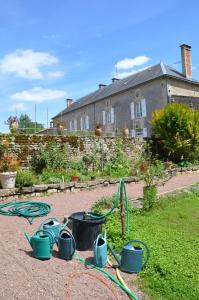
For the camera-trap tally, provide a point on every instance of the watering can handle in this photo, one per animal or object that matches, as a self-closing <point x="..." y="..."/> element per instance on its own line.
<point x="147" y="250"/>
<point x="64" y="225"/>
<point x="51" y="237"/>
<point x="43" y="222"/>
<point x="95" y="245"/>
<point x="74" y="243"/>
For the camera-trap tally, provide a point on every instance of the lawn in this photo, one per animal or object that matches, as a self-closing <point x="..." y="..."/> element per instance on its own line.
<point x="171" y="231"/>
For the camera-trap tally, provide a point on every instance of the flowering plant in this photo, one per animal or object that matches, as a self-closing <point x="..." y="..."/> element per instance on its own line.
<point x="151" y="171"/>
<point x="8" y="160"/>
<point x="11" y="120"/>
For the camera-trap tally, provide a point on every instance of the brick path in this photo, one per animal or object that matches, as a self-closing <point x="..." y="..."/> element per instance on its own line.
<point x="24" y="278"/>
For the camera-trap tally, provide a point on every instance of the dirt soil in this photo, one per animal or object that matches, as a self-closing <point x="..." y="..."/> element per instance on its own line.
<point x="23" y="277"/>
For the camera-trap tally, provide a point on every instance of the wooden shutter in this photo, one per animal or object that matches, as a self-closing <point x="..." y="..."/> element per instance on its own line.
<point x="132" y="111"/>
<point x="103" y="117"/>
<point x="75" y="125"/>
<point x="143" y="102"/>
<point x="112" y="115"/>
<point x="133" y="132"/>
<point x="87" y="122"/>
<point x="81" y="123"/>
<point x="145" y="132"/>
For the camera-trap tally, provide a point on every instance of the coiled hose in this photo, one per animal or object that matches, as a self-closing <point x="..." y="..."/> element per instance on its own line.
<point x="26" y="209"/>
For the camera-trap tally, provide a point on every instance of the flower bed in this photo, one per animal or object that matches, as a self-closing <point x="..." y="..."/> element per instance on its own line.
<point x="43" y="189"/>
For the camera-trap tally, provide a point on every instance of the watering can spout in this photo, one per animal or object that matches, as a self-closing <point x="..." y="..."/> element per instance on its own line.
<point x="115" y="255"/>
<point x="28" y="238"/>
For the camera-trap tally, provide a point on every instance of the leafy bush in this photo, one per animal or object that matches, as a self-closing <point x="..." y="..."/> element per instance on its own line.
<point x="25" y="178"/>
<point x="49" y="176"/>
<point x="176" y="126"/>
<point x="119" y="164"/>
<point x="53" y="157"/>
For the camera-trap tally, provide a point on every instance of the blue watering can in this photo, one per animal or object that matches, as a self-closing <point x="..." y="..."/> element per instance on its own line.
<point x="53" y="226"/>
<point x="66" y="244"/>
<point x="132" y="257"/>
<point x="41" y="243"/>
<point x="100" y="251"/>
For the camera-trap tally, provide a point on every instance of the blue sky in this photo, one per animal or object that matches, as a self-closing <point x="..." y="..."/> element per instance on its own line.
<point x="53" y="50"/>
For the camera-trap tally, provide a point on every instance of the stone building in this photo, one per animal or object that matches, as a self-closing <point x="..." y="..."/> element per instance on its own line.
<point x="129" y="102"/>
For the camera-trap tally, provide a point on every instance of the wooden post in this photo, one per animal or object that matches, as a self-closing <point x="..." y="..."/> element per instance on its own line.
<point x="122" y="209"/>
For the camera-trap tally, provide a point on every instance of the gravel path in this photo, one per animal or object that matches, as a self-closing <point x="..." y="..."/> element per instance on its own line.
<point x="23" y="277"/>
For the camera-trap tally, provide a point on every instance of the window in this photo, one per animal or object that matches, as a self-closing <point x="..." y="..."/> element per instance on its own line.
<point x="73" y="125"/>
<point x="108" y="116"/>
<point x="84" y="123"/>
<point x="138" y="109"/>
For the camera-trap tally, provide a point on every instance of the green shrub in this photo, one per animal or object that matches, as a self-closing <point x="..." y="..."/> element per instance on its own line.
<point x="119" y="164"/>
<point x="53" y="157"/>
<point x="176" y="126"/>
<point x="25" y="178"/>
<point x="50" y="176"/>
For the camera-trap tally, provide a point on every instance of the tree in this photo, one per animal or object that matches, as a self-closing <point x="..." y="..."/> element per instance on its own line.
<point x="26" y="125"/>
<point x="176" y="127"/>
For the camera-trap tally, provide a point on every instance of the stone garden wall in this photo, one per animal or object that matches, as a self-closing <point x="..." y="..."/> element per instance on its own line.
<point x="25" y="145"/>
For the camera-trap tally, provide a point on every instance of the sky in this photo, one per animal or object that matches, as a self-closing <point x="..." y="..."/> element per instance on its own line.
<point x="51" y="50"/>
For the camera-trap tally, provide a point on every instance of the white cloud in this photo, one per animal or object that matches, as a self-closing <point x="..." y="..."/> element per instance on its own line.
<point x="26" y="63"/>
<point x="122" y="75"/>
<point x="18" y="107"/>
<point x="128" y="63"/>
<point x="38" y="94"/>
<point x="55" y="75"/>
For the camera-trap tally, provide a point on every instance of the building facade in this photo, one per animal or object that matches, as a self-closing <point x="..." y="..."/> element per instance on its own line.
<point x="129" y="103"/>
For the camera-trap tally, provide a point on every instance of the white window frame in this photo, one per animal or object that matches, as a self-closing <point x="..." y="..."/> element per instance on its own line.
<point x="138" y="109"/>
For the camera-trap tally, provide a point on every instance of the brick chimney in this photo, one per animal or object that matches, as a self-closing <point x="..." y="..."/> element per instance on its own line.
<point x="101" y="86"/>
<point x="69" y="102"/>
<point x="186" y="60"/>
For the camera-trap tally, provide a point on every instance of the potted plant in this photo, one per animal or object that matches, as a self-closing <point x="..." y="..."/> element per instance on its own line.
<point x="75" y="175"/>
<point x="125" y="132"/>
<point x="98" y="130"/>
<point x="151" y="172"/>
<point x="8" y="165"/>
<point x="13" y="123"/>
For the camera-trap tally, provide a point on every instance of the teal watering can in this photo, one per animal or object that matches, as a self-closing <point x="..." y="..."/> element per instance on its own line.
<point x="66" y="244"/>
<point x="52" y="225"/>
<point x="100" y="251"/>
<point x="41" y="243"/>
<point x="132" y="257"/>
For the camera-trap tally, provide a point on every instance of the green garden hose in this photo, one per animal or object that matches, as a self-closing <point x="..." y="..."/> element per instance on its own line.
<point x="115" y="205"/>
<point x="26" y="209"/>
<point x="109" y="275"/>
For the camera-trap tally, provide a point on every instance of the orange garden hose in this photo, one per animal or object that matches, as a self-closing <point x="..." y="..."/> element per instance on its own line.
<point x="77" y="274"/>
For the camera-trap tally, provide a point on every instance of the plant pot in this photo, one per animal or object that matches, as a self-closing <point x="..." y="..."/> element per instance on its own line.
<point x="149" y="197"/>
<point x="125" y="132"/>
<point x="8" y="180"/>
<point x="168" y="165"/>
<point x="98" y="131"/>
<point x="74" y="178"/>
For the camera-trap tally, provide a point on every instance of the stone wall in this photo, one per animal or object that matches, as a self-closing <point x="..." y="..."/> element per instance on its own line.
<point x="25" y="145"/>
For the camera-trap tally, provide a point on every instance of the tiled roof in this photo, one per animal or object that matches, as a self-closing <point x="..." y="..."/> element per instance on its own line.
<point x="118" y="86"/>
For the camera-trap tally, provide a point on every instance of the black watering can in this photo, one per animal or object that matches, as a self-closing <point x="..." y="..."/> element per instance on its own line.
<point x="132" y="257"/>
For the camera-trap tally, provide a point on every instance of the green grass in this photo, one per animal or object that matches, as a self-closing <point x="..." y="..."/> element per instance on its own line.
<point x="171" y="231"/>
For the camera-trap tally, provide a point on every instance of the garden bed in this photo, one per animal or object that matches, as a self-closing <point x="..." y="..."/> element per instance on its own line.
<point x="43" y="189"/>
